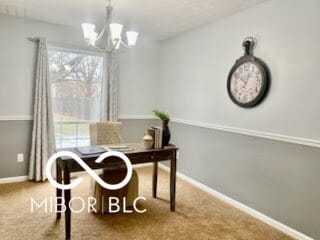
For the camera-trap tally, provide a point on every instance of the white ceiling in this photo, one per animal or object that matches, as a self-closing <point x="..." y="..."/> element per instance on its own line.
<point x="158" y="18"/>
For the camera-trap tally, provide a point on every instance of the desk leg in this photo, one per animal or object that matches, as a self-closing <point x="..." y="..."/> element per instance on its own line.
<point x="59" y="191"/>
<point x="173" y="170"/>
<point x="154" y="179"/>
<point x="67" y="197"/>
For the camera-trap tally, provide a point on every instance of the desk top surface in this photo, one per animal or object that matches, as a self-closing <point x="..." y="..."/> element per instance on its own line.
<point x="135" y="149"/>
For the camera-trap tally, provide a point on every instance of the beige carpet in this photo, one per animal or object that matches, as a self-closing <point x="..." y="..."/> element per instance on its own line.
<point x="198" y="216"/>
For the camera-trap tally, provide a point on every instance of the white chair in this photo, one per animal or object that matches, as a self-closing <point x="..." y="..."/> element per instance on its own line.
<point x="108" y="133"/>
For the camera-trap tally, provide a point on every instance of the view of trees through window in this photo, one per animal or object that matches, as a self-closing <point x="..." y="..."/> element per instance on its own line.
<point x="76" y="90"/>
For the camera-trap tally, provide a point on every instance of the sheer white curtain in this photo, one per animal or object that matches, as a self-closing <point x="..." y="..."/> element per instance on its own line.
<point x="42" y="145"/>
<point x="113" y="90"/>
<point x="112" y="72"/>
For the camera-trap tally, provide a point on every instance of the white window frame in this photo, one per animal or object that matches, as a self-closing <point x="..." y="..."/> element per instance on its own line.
<point x="53" y="47"/>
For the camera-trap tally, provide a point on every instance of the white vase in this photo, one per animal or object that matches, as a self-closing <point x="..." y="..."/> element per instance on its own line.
<point x="148" y="141"/>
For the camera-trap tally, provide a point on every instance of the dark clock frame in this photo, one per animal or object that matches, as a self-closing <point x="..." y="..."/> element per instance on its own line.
<point x="249" y="58"/>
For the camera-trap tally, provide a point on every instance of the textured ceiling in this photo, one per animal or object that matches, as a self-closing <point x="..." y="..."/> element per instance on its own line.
<point x="160" y="19"/>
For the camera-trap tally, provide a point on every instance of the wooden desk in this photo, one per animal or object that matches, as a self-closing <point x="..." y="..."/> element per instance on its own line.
<point x="64" y="166"/>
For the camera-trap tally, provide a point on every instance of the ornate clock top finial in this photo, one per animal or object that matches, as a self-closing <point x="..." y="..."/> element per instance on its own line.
<point x="248" y="44"/>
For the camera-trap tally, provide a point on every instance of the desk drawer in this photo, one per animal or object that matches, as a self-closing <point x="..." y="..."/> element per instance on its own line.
<point x="162" y="156"/>
<point x="140" y="158"/>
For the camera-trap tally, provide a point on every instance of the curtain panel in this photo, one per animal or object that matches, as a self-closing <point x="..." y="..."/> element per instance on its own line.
<point x="113" y="85"/>
<point x="42" y="146"/>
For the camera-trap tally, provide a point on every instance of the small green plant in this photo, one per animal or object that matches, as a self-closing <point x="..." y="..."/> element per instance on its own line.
<point x="161" y="115"/>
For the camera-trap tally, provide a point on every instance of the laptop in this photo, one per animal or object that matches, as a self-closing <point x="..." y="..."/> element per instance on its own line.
<point x="91" y="150"/>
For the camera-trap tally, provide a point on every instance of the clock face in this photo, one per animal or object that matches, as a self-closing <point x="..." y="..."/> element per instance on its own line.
<point x="246" y="83"/>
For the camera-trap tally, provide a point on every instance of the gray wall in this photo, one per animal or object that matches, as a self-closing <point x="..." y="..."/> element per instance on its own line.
<point x="18" y="57"/>
<point x="133" y="130"/>
<point x="138" y="66"/>
<point x="15" y="137"/>
<point x="195" y="66"/>
<point x="138" y="73"/>
<point x="275" y="178"/>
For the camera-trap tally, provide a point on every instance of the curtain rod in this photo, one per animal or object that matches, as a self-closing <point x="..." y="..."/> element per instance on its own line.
<point x="66" y="45"/>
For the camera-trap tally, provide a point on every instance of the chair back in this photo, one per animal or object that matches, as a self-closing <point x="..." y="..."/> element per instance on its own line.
<point x="105" y="133"/>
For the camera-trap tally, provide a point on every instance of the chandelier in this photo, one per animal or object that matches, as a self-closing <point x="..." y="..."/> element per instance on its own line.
<point x="113" y="32"/>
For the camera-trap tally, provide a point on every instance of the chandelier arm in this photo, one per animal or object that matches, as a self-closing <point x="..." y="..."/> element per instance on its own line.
<point x="98" y="49"/>
<point x="101" y="34"/>
<point x="114" y="45"/>
<point x="124" y="44"/>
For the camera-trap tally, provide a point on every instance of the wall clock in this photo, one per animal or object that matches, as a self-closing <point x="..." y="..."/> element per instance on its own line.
<point x="248" y="80"/>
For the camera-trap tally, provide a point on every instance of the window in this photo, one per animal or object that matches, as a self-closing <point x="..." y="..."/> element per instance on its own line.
<point x="76" y="79"/>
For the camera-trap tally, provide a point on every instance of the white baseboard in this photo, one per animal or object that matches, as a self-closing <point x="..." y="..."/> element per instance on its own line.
<point x="13" y="179"/>
<point x="273" y="223"/>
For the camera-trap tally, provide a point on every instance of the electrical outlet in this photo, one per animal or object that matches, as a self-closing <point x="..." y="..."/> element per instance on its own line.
<point x="178" y="155"/>
<point x="20" y="157"/>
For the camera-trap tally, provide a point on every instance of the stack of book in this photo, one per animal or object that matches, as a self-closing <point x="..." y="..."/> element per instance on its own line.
<point x="156" y="133"/>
